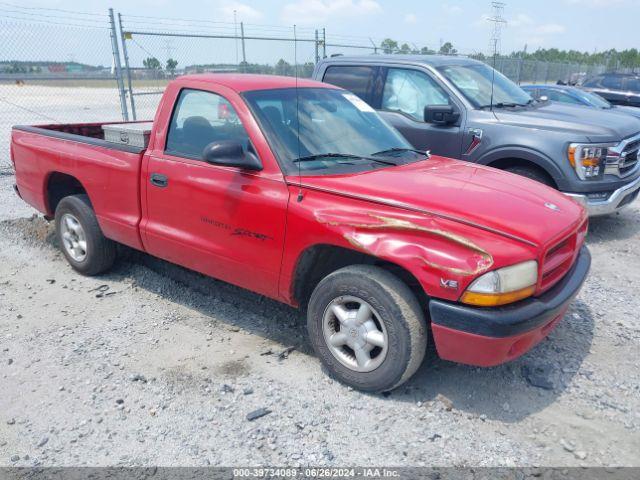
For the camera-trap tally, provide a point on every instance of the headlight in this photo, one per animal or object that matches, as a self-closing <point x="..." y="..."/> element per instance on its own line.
<point x="588" y="160"/>
<point x="505" y="285"/>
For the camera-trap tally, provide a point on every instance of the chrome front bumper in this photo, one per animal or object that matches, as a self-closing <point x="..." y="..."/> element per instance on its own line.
<point x="617" y="200"/>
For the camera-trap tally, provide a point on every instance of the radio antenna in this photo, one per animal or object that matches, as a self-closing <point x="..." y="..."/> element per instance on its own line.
<point x="295" y="66"/>
<point x="498" y="22"/>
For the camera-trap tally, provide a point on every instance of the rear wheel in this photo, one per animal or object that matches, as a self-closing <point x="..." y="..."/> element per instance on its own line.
<point x="367" y="328"/>
<point x="532" y="173"/>
<point x="84" y="246"/>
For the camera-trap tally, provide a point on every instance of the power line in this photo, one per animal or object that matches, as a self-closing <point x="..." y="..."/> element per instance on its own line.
<point x="30" y="16"/>
<point x="54" y="10"/>
<point x="38" y="20"/>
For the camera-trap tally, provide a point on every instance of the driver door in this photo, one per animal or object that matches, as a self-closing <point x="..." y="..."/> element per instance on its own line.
<point x="223" y="221"/>
<point x="405" y="94"/>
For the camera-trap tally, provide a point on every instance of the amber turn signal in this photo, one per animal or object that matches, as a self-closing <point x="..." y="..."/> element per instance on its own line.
<point x="496" y="299"/>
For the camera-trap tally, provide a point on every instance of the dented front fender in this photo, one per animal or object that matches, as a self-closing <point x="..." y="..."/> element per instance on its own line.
<point x="444" y="255"/>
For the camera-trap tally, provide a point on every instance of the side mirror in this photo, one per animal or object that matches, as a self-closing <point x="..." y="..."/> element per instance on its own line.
<point x="441" y="114"/>
<point x="230" y="154"/>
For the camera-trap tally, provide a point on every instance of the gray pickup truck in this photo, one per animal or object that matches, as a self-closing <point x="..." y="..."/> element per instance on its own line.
<point x="462" y="108"/>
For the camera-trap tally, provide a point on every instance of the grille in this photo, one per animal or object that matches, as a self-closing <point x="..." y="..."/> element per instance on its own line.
<point x="630" y="157"/>
<point x="624" y="162"/>
<point x="560" y="258"/>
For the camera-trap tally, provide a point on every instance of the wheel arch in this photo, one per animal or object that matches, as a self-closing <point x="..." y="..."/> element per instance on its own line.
<point x="507" y="157"/>
<point x="319" y="260"/>
<point x="59" y="185"/>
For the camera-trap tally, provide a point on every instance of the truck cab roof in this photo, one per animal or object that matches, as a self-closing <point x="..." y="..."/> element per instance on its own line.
<point x="430" y="60"/>
<point x="249" y="82"/>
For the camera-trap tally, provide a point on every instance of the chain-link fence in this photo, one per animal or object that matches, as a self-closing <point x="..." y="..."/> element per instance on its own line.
<point x="55" y="66"/>
<point x="533" y="71"/>
<point x="154" y="53"/>
<point x="62" y="66"/>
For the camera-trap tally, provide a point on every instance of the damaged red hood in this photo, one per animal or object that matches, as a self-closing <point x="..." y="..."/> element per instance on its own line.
<point x="473" y="194"/>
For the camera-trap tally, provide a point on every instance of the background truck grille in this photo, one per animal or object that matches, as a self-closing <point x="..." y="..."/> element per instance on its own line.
<point x="622" y="160"/>
<point x="630" y="157"/>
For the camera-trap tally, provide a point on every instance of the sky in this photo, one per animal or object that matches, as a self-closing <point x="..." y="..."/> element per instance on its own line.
<point x="585" y="25"/>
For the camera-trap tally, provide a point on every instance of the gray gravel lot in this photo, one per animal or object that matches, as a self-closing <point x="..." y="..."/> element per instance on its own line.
<point x="162" y="367"/>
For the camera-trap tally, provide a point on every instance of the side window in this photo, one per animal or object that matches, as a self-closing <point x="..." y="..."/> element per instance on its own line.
<point x="199" y="119"/>
<point x="562" y="97"/>
<point x="409" y="91"/>
<point x="593" y="82"/>
<point x="633" y="84"/>
<point x="534" y="92"/>
<point x="358" y="80"/>
<point x="613" y="82"/>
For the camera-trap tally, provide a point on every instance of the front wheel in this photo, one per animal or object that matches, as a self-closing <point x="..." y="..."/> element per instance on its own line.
<point x="532" y="174"/>
<point x="367" y="327"/>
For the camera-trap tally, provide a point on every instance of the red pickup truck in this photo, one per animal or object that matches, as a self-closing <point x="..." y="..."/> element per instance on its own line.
<point x="300" y="192"/>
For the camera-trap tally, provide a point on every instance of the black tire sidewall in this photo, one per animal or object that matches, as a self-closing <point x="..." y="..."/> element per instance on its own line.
<point x="390" y="372"/>
<point x="531" y="174"/>
<point x="79" y="207"/>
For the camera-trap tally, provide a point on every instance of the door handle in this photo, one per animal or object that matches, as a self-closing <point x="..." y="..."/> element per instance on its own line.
<point x="159" y="180"/>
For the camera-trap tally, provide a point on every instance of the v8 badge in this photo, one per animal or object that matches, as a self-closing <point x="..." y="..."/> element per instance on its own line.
<point x="451" y="284"/>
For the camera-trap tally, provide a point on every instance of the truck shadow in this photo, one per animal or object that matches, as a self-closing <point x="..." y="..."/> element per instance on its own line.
<point x="220" y="301"/>
<point x="619" y="226"/>
<point x="503" y="393"/>
<point x="512" y="391"/>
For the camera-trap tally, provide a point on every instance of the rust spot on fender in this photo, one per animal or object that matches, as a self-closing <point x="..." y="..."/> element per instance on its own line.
<point x="390" y="223"/>
<point x="354" y="242"/>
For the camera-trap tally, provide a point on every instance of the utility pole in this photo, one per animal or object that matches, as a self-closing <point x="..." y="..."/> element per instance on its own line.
<point x="324" y="43"/>
<point x="244" y="53"/>
<point x="375" y="47"/>
<point x="168" y="48"/>
<point x="235" y="33"/>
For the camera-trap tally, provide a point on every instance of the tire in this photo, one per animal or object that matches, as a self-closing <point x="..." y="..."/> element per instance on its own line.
<point x="533" y="174"/>
<point x="396" y="314"/>
<point x="76" y="222"/>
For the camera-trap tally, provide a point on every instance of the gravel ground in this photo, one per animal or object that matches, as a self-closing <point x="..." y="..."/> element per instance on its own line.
<point x="155" y="365"/>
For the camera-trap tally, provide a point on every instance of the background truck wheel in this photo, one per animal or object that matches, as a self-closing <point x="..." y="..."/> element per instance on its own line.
<point x="533" y="174"/>
<point x="81" y="240"/>
<point x="367" y="328"/>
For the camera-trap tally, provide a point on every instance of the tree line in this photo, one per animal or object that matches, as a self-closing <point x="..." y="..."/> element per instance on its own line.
<point x="613" y="59"/>
<point x="629" y="58"/>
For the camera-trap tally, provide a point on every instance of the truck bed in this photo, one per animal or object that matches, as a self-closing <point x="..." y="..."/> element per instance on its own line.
<point x="90" y="133"/>
<point x="50" y="159"/>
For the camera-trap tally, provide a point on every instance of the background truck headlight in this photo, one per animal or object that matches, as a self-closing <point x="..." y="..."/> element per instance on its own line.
<point x="588" y="160"/>
<point x="502" y="286"/>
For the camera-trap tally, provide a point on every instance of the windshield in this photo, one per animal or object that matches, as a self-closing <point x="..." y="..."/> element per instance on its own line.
<point x="336" y="131"/>
<point x="474" y="82"/>
<point x="593" y="99"/>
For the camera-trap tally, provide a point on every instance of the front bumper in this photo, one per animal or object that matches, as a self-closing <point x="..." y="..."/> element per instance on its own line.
<point x="620" y="198"/>
<point x="491" y="336"/>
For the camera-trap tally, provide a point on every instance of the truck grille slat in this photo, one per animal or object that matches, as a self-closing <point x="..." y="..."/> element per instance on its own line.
<point x="559" y="258"/>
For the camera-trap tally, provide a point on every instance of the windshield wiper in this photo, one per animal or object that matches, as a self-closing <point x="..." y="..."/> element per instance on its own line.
<point x="310" y="158"/>
<point x="507" y="104"/>
<point x="399" y="149"/>
<point x="501" y="105"/>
